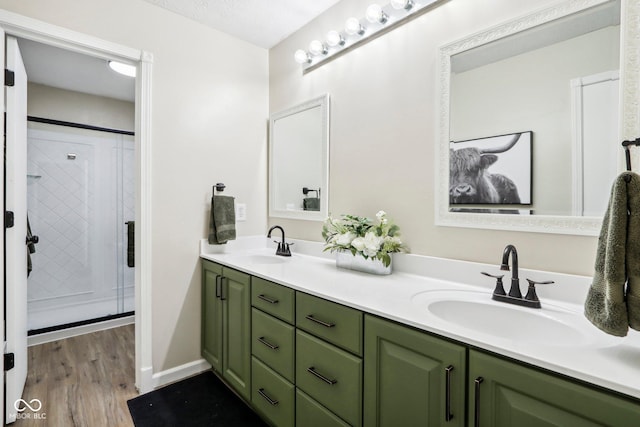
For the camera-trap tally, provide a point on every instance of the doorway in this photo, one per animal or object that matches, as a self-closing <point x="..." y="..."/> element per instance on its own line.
<point x="23" y="27"/>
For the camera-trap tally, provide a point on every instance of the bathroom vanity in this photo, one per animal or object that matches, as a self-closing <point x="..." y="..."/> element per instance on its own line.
<point x="309" y="344"/>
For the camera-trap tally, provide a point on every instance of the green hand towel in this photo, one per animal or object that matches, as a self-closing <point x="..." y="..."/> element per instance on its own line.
<point x="311" y="204"/>
<point x="222" y="225"/>
<point x="613" y="301"/>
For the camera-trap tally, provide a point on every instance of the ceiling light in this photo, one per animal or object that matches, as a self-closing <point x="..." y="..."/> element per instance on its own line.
<point x="352" y="26"/>
<point x="124" y="69"/>
<point x="316" y="47"/>
<point x="334" y="39"/>
<point x="301" y="57"/>
<point x="402" y="4"/>
<point x="376" y="14"/>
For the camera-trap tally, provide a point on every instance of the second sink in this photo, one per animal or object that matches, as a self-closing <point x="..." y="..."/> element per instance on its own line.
<point x="475" y="311"/>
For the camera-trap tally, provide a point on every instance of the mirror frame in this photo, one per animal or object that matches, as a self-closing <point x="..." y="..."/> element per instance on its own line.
<point x="322" y="102"/>
<point x="629" y="125"/>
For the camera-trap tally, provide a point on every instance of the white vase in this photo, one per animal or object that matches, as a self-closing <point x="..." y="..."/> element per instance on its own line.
<point x="359" y="263"/>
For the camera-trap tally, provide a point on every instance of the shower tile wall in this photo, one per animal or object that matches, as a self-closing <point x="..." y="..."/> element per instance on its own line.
<point x="80" y="193"/>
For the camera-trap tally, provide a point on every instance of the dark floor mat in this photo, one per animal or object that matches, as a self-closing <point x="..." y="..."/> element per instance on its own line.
<point x="203" y="400"/>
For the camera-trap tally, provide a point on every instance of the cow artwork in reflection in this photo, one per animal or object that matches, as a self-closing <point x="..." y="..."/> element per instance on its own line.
<point x="479" y="175"/>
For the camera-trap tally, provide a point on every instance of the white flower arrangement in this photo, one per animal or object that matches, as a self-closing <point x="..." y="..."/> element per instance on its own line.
<point x="361" y="236"/>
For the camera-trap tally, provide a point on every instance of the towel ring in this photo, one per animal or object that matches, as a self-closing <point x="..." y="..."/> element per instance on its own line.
<point x="219" y="187"/>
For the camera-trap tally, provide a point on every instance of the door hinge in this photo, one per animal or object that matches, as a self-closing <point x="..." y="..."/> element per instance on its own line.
<point x="9" y="361"/>
<point x="9" y="78"/>
<point x="9" y="220"/>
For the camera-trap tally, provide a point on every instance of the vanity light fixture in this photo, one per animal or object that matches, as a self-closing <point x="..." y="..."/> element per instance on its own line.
<point x="124" y="69"/>
<point x="375" y="14"/>
<point x="378" y="20"/>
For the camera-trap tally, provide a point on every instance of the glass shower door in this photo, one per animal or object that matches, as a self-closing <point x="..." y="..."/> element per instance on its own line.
<point x="79" y="192"/>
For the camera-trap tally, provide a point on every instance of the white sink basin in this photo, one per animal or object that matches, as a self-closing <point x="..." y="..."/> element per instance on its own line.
<point x="477" y="312"/>
<point x="259" y="259"/>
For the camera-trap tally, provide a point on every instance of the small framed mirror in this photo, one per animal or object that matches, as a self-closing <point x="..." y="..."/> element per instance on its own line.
<point x="299" y="161"/>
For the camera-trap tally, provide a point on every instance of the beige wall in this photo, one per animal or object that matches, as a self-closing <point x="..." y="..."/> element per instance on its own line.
<point x="384" y="118"/>
<point x="209" y="115"/>
<point x="58" y="104"/>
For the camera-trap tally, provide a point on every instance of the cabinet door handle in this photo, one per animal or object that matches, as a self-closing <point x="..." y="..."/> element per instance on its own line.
<point x="477" y="382"/>
<point x="267" y="343"/>
<point x="271" y="401"/>
<point x="218" y="285"/>
<point x="313" y="371"/>
<point x="267" y="299"/>
<point x="222" y="280"/>
<point x="448" y="416"/>
<point x="320" y="322"/>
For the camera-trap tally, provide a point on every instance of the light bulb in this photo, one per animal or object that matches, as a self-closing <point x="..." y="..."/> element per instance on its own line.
<point x="402" y="4"/>
<point x="124" y="69"/>
<point x="375" y="14"/>
<point x="301" y="56"/>
<point x="316" y="47"/>
<point x="352" y="26"/>
<point x="334" y="38"/>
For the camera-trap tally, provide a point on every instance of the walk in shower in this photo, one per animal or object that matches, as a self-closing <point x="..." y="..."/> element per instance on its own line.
<point x="80" y="195"/>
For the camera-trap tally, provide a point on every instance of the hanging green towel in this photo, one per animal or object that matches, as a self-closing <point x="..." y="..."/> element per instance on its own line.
<point x="613" y="301"/>
<point x="311" y="204"/>
<point x="222" y="224"/>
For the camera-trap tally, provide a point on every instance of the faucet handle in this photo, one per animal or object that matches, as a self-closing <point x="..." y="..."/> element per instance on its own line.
<point x="499" y="290"/>
<point x="531" y="292"/>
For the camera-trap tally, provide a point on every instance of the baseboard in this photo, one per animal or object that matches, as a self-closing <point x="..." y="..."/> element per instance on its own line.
<point x="79" y="330"/>
<point x="178" y="373"/>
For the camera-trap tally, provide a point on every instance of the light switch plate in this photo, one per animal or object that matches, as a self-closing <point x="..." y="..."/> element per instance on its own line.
<point x="241" y="211"/>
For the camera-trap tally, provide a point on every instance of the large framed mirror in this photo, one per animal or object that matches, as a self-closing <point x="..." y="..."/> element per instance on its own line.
<point x="563" y="83"/>
<point x="299" y="161"/>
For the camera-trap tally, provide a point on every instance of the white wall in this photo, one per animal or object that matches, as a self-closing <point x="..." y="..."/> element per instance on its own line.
<point x="209" y="122"/>
<point x="384" y="118"/>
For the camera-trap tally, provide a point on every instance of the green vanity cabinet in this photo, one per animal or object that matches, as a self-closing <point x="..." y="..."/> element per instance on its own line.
<point x="211" y="314"/>
<point x="329" y="365"/>
<point x="273" y="349"/>
<point x="226" y="324"/>
<point x="506" y="394"/>
<point x="411" y="378"/>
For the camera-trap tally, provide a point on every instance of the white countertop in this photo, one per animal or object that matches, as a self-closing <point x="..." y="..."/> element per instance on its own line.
<point x="601" y="359"/>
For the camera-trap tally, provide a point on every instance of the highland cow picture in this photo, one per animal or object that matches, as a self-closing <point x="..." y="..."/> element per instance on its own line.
<point x="491" y="171"/>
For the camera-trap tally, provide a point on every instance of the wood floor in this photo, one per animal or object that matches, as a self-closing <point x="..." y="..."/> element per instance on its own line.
<point x="82" y="381"/>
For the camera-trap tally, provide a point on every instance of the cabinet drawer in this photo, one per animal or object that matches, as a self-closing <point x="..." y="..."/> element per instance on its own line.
<point x="333" y="322"/>
<point x="310" y="413"/>
<point x="272" y="396"/>
<point x="331" y="376"/>
<point x="273" y="343"/>
<point x="274" y="299"/>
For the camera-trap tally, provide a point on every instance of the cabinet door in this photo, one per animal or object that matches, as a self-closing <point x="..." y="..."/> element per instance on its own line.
<point x="505" y="394"/>
<point x="236" y="308"/>
<point x="212" y="314"/>
<point x="411" y="378"/>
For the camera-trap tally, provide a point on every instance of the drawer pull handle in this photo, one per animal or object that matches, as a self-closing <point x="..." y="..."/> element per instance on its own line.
<point x="267" y="398"/>
<point x="268" y="344"/>
<point x="320" y="322"/>
<point x="448" y="416"/>
<point x="267" y="299"/>
<point x="477" y="382"/>
<point x="313" y="371"/>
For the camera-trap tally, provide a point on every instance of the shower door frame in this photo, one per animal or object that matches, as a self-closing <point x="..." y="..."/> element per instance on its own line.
<point x="28" y="28"/>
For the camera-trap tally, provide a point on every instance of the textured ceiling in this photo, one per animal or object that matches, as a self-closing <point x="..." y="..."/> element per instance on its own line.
<point x="263" y="23"/>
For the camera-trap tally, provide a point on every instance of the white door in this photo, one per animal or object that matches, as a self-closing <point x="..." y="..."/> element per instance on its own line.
<point x="16" y="250"/>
